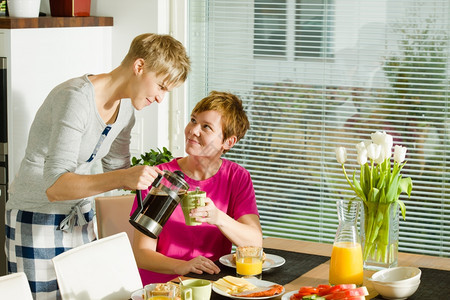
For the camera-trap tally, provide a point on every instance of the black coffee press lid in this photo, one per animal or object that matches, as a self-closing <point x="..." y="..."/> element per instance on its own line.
<point x="176" y="179"/>
<point x="179" y="173"/>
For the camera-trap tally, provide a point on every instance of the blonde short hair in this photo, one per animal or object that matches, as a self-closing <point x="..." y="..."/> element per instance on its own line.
<point x="234" y="118"/>
<point x="162" y="54"/>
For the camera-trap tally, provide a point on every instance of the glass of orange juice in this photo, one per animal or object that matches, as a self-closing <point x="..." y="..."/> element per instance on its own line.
<point x="249" y="261"/>
<point x="160" y="291"/>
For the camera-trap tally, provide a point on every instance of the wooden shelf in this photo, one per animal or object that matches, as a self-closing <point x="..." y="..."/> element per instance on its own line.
<point x="52" y="22"/>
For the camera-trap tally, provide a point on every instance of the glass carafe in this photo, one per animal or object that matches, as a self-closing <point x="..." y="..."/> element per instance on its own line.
<point x="346" y="265"/>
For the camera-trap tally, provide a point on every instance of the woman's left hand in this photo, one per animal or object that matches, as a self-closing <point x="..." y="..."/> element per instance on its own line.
<point x="244" y="231"/>
<point x="208" y="213"/>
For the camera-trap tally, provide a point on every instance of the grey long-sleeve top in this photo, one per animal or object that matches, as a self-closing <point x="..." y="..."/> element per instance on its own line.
<point x="64" y="135"/>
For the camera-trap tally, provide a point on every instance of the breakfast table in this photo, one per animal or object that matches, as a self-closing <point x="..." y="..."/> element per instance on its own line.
<point x="307" y="264"/>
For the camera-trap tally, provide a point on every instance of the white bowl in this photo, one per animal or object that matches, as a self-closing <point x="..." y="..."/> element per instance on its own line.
<point x="395" y="291"/>
<point x="398" y="275"/>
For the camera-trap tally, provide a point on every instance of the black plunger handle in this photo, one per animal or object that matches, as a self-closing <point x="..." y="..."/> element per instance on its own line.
<point x="140" y="204"/>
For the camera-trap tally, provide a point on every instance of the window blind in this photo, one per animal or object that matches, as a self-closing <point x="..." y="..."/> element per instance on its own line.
<point x="317" y="74"/>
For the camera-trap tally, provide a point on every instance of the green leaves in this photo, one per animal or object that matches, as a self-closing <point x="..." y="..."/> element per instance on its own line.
<point x="406" y="186"/>
<point x="402" y="208"/>
<point x="153" y="157"/>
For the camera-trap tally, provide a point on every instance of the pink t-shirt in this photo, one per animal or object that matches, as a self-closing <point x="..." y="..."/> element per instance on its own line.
<point x="231" y="190"/>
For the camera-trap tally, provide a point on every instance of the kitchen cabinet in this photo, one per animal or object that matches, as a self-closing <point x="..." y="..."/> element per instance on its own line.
<point x="41" y="53"/>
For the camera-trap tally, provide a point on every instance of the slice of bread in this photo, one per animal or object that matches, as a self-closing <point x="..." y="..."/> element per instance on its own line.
<point x="164" y="287"/>
<point x="263" y="257"/>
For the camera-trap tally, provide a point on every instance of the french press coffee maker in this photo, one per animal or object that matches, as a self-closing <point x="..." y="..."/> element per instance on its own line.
<point x="159" y="204"/>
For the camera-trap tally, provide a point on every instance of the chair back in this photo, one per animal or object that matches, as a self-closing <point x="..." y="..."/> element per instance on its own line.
<point x="103" y="269"/>
<point x="15" y="286"/>
<point x="113" y="215"/>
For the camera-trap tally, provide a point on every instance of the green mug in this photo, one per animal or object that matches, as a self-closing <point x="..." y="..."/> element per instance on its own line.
<point x="191" y="200"/>
<point x="195" y="289"/>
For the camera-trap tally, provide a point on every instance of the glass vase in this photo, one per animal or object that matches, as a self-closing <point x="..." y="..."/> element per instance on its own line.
<point x="379" y="235"/>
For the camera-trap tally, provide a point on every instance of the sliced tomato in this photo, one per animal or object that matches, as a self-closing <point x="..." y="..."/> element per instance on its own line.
<point x="295" y="297"/>
<point x="338" y="287"/>
<point x="308" y="289"/>
<point x="347" y="293"/>
<point x="324" y="289"/>
<point x="324" y="292"/>
<point x="305" y="291"/>
<point x="302" y="294"/>
<point x="336" y="292"/>
<point x="298" y="296"/>
<point x="323" y="286"/>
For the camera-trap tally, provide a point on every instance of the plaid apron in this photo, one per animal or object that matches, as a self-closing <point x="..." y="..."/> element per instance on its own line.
<point x="33" y="239"/>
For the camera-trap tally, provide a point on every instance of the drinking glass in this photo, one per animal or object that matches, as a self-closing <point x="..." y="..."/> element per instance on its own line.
<point x="158" y="291"/>
<point x="249" y="261"/>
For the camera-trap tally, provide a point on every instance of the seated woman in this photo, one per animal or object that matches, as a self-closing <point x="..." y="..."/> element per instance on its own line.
<point x="230" y="215"/>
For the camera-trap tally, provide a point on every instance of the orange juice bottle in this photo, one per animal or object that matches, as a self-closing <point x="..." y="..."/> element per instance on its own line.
<point x="346" y="265"/>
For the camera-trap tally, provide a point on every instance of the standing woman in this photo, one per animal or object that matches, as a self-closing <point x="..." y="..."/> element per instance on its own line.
<point x="82" y="121"/>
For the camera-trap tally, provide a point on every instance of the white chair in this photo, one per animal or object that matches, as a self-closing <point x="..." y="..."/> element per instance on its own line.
<point x="113" y="214"/>
<point x="103" y="269"/>
<point x="15" y="286"/>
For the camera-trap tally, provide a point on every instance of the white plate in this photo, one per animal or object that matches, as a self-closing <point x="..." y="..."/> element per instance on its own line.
<point x="137" y="295"/>
<point x="287" y="296"/>
<point x="272" y="261"/>
<point x="257" y="282"/>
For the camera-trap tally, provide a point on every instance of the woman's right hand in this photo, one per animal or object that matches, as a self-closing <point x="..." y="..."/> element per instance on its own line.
<point x="197" y="265"/>
<point x="140" y="177"/>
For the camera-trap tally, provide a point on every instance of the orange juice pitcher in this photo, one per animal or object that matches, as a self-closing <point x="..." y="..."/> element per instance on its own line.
<point x="346" y="265"/>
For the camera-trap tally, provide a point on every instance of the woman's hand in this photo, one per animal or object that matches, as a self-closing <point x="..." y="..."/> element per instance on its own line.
<point x="208" y="213"/>
<point x="140" y="177"/>
<point x="197" y="265"/>
<point x="241" y="232"/>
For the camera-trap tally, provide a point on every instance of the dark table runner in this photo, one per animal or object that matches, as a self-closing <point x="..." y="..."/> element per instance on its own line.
<point x="296" y="265"/>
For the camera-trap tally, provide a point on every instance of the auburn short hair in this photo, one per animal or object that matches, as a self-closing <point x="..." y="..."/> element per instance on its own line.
<point x="234" y="118"/>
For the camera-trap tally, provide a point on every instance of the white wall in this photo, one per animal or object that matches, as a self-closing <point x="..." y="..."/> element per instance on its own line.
<point x="132" y="18"/>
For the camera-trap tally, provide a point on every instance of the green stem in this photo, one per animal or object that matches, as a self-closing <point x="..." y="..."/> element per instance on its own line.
<point x="360" y="195"/>
<point x="383" y="236"/>
<point x="371" y="174"/>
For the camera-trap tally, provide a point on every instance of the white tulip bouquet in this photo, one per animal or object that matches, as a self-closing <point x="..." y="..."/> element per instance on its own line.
<point x="380" y="185"/>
